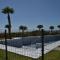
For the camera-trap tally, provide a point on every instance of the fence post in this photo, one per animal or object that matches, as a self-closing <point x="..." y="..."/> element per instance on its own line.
<point x="6" y="45"/>
<point x="42" y="40"/>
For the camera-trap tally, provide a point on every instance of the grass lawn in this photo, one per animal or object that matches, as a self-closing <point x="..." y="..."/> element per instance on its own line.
<point x="53" y="55"/>
<point x="13" y="56"/>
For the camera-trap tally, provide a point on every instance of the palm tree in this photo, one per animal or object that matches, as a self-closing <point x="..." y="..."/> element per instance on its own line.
<point x="23" y="28"/>
<point x="7" y="10"/>
<point x="39" y="27"/>
<point x="58" y="27"/>
<point x="51" y="28"/>
<point x="7" y="26"/>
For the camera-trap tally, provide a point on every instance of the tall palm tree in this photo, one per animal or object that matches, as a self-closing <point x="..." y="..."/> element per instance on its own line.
<point x="58" y="27"/>
<point x="7" y="10"/>
<point x="23" y="28"/>
<point x="51" y="28"/>
<point x="39" y="27"/>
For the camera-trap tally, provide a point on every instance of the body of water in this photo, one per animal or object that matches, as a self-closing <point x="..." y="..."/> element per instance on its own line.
<point x="34" y="41"/>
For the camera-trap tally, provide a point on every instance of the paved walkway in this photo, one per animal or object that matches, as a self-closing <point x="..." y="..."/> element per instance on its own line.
<point x="31" y="52"/>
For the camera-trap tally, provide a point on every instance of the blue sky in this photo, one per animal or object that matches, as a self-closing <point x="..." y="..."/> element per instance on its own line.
<point x="31" y="13"/>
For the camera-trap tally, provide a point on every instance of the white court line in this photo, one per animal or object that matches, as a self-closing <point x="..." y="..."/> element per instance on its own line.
<point x="34" y="53"/>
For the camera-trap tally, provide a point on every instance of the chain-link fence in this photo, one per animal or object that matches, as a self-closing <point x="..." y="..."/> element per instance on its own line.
<point x="30" y="45"/>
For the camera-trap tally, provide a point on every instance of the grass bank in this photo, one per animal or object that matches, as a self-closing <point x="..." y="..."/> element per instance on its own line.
<point x="53" y="55"/>
<point x="13" y="56"/>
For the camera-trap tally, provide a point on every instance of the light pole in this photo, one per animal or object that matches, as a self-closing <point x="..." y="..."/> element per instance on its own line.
<point x="6" y="45"/>
<point x="42" y="41"/>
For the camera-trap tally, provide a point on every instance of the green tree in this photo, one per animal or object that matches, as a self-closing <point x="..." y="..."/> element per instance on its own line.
<point x="58" y="27"/>
<point x="7" y="26"/>
<point x="51" y="28"/>
<point x="39" y="27"/>
<point x="7" y="10"/>
<point x="23" y="28"/>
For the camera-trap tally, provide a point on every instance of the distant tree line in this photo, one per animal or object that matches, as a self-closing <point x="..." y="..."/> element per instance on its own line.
<point x="23" y="33"/>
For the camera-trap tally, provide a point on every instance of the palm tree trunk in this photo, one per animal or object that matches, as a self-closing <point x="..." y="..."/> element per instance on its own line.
<point x="59" y="31"/>
<point x="23" y="33"/>
<point x="39" y="31"/>
<point x="9" y="29"/>
<point x="51" y="30"/>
